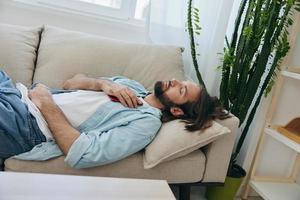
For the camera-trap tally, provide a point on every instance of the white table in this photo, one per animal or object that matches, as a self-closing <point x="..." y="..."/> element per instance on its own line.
<point x="31" y="186"/>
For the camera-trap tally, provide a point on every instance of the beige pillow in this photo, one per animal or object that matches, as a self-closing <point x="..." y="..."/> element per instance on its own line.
<point x="64" y="53"/>
<point x="173" y="141"/>
<point x="18" y="46"/>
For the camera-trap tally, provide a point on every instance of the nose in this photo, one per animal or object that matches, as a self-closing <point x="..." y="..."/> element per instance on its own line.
<point x="174" y="82"/>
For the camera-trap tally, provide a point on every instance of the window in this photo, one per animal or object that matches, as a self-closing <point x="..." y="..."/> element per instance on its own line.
<point x="108" y="3"/>
<point x="119" y="9"/>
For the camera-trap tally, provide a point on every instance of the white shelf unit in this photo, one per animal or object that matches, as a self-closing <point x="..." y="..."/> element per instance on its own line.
<point x="276" y="191"/>
<point x="284" y="106"/>
<point x="281" y="138"/>
<point x="271" y="187"/>
<point x="291" y="75"/>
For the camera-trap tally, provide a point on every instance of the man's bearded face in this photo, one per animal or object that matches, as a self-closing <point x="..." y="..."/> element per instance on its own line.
<point x="174" y="93"/>
<point x="159" y="91"/>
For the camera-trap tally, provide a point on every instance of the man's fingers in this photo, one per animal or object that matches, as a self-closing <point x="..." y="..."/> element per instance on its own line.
<point x="133" y="98"/>
<point x="127" y="99"/>
<point x="40" y="85"/>
<point x="121" y="99"/>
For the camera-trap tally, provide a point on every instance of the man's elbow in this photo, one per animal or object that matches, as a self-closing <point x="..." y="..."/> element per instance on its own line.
<point x="76" y="165"/>
<point x="81" y="164"/>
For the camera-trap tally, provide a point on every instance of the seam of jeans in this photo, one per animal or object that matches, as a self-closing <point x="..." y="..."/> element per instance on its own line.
<point x="35" y="132"/>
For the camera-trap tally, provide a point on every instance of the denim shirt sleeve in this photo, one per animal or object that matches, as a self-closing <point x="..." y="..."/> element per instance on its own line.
<point x="96" y="148"/>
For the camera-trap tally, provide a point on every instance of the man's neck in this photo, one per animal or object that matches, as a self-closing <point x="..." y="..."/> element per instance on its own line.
<point x="153" y="101"/>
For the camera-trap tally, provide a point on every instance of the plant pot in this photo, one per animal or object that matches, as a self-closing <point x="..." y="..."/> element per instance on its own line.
<point x="230" y="188"/>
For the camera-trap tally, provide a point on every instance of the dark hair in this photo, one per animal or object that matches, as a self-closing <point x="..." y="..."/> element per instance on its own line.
<point x="199" y="114"/>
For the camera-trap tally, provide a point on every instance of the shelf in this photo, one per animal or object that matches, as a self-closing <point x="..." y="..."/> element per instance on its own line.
<point x="291" y="75"/>
<point x="276" y="191"/>
<point x="281" y="138"/>
<point x="293" y="69"/>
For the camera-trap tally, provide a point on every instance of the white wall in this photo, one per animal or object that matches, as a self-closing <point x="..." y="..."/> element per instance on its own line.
<point x="12" y="12"/>
<point x="295" y="58"/>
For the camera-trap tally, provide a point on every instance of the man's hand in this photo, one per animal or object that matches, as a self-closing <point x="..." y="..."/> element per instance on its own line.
<point x="125" y="95"/>
<point x="40" y="96"/>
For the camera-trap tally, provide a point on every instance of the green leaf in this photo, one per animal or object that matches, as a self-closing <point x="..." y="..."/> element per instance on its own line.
<point x="248" y="32"/>
<point x="196" y="13"/>
<point x="196" y="9"/>
<point x="197" y="27"/>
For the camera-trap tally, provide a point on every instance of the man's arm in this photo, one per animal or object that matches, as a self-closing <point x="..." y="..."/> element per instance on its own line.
<point x="83" y="82"/>
<point x="124" y="94"/>
<point x="63" y="132"/>
<point x="95" y="147"/>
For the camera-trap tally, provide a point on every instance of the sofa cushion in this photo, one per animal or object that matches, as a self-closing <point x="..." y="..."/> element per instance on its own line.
<point x="18" y="46"/>
<point x="64" y="53"/>
<point x="182" y="170"/>
<point x="173" y="141"/>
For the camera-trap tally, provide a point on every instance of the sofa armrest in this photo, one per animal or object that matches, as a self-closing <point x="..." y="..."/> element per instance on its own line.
<point x="218" y="153"/>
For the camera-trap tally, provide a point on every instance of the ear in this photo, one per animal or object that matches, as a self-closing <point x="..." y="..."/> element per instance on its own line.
<point x="176" y="111"/>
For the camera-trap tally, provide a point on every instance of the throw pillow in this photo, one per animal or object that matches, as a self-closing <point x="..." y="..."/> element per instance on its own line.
<point x="18" y="51"/>
<point x="173" y="141"/>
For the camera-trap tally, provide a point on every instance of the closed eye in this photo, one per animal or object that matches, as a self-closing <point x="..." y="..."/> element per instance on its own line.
<point x="186" y="91"/>
<point x="181" y="90"/>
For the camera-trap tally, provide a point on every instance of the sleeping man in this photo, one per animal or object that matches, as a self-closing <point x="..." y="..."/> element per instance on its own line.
<point x="95" y="121"/>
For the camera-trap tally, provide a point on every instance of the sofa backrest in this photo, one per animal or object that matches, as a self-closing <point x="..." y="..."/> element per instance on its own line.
<point x="64" y="53"/>
<point x="18" y="46"/>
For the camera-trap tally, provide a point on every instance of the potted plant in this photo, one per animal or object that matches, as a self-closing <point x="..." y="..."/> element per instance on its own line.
<point x="250" y="63"/>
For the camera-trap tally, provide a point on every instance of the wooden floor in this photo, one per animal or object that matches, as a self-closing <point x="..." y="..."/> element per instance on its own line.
<point x="197" y="193"/>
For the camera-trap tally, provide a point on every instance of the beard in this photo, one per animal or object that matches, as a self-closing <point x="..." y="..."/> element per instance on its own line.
<point x="159" y="93"/>
<point x="158" y="89"/>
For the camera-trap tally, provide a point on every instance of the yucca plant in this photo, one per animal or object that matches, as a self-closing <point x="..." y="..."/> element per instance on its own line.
<point x="193" y="28"/>
<point x="252" y="58"/>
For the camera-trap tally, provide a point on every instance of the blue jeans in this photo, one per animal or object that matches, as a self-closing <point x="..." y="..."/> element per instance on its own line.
<point x="19" y="131"/>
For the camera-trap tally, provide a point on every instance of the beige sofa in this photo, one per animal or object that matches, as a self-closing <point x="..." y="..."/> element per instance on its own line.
<point x="51" y="55"/>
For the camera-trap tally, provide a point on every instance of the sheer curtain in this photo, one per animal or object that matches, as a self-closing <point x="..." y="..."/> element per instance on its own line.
<point x="166" y="25"/>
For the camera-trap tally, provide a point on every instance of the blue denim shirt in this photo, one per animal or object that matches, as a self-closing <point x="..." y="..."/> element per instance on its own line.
<point x="112" y="133"/>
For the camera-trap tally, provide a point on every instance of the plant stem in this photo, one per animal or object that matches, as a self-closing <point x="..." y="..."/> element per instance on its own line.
<point x="192" y="43"/>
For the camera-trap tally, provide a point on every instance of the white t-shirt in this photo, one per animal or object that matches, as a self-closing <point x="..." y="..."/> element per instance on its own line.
<point x="77" y="106"/>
